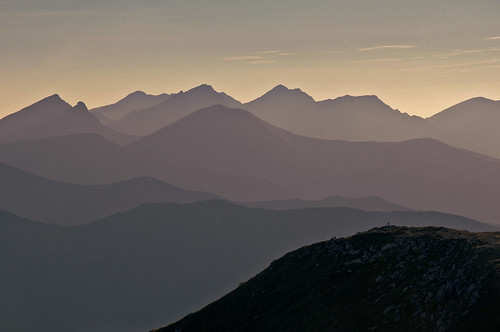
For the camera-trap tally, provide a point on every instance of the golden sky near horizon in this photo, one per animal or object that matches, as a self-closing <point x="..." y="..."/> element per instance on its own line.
<point x="417" y="56"/>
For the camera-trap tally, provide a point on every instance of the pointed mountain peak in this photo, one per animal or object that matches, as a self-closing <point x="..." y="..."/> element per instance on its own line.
<point x="48" y="102"/>
<point x="137" y="93"/>
<point x="478" y="101"/>
<point x="202" y="88"/>
<point x="279" y="87"/>
<point x="80" y="107"/>
<point x="53" y="97"/>
<point x="280" y="91"/>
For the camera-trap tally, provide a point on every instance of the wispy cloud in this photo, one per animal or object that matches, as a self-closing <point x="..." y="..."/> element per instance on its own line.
<point x="47" y="13"/>
<point x="385" y="47"/>
<point x="243" y="58"/>
<point x="459" y="52"/>
<point x="381" y="60"/>
<point x="261" y="62"/>
<point x="270" y="52"/>
<point x="493" y="38"/>
<point x="286" y="53"/>
<point x="454" y="71"/>
<point x="455" y="65"/>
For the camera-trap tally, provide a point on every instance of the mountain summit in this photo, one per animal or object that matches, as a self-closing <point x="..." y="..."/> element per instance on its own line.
<point x="386" y="279"/>
<point x="363" y="118"/>
<point x="475" y="122"/>
<point x="52" y="116"/>
<point x="147" y="121"/>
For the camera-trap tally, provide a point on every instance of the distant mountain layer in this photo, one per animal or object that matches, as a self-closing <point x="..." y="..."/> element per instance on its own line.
<point x="363" y="203"/>
<point x="386" y="279"/>
<point x="176" y="106"/>
<point x="66" y="204"/>
<point x="135" y="101"/>
<point x="234" y="154"/>
<point x="154" y="264"/>
<point x="52" y="116"/>
<point x="363" y="118"/>
<point x="472" y="124"/>
<point x="476" y="121"/>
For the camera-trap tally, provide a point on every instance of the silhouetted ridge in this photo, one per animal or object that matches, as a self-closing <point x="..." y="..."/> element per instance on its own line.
<point x="387" y="279"/>
<point x="282" y="92"/>
<point x="80" y="107"/>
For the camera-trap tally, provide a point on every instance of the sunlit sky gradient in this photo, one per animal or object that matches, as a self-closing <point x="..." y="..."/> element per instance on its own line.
<point x="417" y="56"/>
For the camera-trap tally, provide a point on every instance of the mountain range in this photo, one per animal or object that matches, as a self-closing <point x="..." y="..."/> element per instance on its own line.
<point x="151" y="265"/>
<point x="53" y="116"/>
<point x="49" y="201"/>
<point x="233" y="154"/>
<point x="108" y="219"/>
<point x="148" y="120"/>
<point x="372" y="203"/>
<point x="351" y="118"/>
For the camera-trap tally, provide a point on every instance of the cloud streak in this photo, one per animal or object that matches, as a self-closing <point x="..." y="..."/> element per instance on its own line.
<point x="380" y="60"/>
<point x="243" y="58"/>
<point x="385" y="47"/>
<point x="456" y="65"/>
<point x="261" y="62"/>
<point x="493" y="38"/>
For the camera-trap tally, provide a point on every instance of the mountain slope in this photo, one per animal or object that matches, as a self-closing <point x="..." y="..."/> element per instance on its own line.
<point x="135" y="101"/>
<point x="90" y="160"/>
<point x="386" y="279"/>
<point x="65" y="204"/>
<point x="362" y="203"/>
<point x="146" y="121"/>
<point x="81" y="158"/>
<point x="153" y="264"/>
<point x="474" y="121"/>
<point x="52" y="116"/>
<point x="364" y="118"/>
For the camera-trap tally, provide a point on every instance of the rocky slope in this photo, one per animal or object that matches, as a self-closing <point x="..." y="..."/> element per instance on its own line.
<point x="387" y="279"/>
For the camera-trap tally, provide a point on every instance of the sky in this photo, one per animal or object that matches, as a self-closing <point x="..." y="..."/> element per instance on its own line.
<point x="417" y="56"/>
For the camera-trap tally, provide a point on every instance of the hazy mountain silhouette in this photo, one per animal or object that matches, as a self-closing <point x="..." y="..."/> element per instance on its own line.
<point x="372" y="203"/>
<point x="81" y="158"/>
<point x="424" y="174"/>
<point x="386" y="279"/>
<point x="66" y="204"/>
<point x="177" y="106"/>
<point x="138" y="100"/>
<point x="233" y="154"/>
<point x="90" y="159"/>
<point x="145" y="267"/>
<point x="364" y="118"/>
<point x="52" y="116"/>
<point x="475" y="121"/>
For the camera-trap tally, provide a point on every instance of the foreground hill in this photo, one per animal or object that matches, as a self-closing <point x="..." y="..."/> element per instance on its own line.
<point x="154" y="264"/>
<point x="386" y="279"/>
<point x="476" y="121"/>
<point x="52" y="116"/>
<point x="66" y="204"/>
